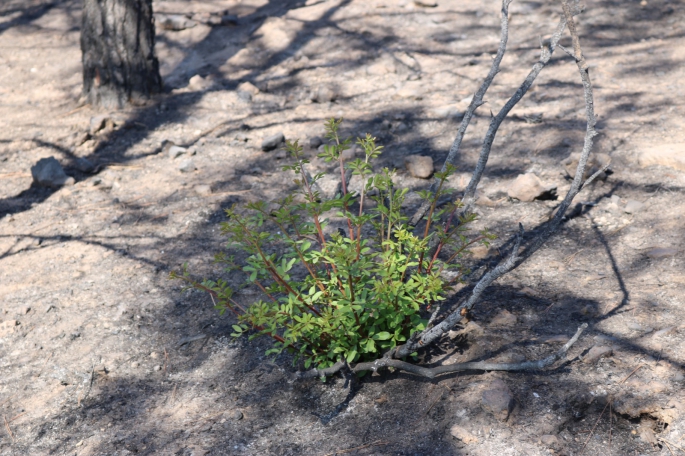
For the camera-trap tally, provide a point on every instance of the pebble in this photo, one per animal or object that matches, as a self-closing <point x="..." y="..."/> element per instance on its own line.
<point x="175" y="22"/>
<point x="419" y="166"/>
<point x="323" y="94"/>
<point x="315" y="142"/>
<point x="350" y="153"/>
<point x="157" y="368"/>
<point x="203" y="190"/>
<point x="84" y="165"/>
<point x="463" y="434"/>
<point x="176" y="151"/>
<point x="661" y="252"/>
<point x="187" y="166"/>
<point x="597" y="352"/>
<point x="527" y="187"/>
<point x="135" y="364"/>
<point x="47" y="172"/>
<point x="248" y="87"/>
<point x="198" y="83"/>
<point x="498" y="400"/>
<point x="272" y="142"/>
<point x="485" y="201"/>
<point x="445" y="112"/>
<point x="235" y="415"/>
<point x="671" y="155"/>
<point x="633" y="207"/>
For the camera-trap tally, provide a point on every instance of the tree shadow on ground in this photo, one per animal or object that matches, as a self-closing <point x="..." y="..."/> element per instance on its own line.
<point x="143" y="402"/>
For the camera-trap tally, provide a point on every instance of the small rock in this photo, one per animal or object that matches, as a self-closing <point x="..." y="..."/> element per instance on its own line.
<point x="280" y="154"/>
<point x="157" y="368"/>
<point x="498" y="400"/>
<point x="463" y="434"/>
<point x="350" y="153"/>
<point x="187" y="166"/>
<point x="248" y="87"/>
<point x="485" y="201"/>
<point x="597" y="352"/>
<point x="135" y="364"/>
<point x="426" y="3"/>
<point x="203" y="190"/>
<point x="175" y="22"/>
<point x="272" y="142"/>
<point x="235" y="415"/>
<point x="315" y="142"/>
<point x="671" y="155"/>
<point x="419" y="166"/>
<point x="166" y="145"/>
<point x="661" y="252"/>
<point x="504" y="318"/>
<point x="528" y="187"/>
<point x="176" y="151"/>
<point x="47" y="172"/>
<point x="479" y="252"/>
<point x="445" y="112"/>
<point x="101" y="122"/>
<point x="633" y="207"/>
<point x="198" y="83"/>
<point x="550" y="441"/>
<point x="84" y="165"/>
<point x="323" y="94"/>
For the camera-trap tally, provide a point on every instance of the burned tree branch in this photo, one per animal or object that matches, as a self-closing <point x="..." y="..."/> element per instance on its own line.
<point x="545" y="56"/>
<point x="432" y="372"/>
<point x="476" y="102"/>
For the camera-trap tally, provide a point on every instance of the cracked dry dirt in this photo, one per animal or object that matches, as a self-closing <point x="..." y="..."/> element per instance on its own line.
<point x="101" y="354"/>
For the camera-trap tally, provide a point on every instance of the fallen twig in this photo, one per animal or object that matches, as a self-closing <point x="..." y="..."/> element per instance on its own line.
<point x="668" y="442"/>
<point x="582" y="450"/>
<point x="7" y="427"/>
<point x="630" y="375"/>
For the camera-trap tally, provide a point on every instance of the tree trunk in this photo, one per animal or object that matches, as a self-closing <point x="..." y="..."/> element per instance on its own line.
<point x="118" y="46"/>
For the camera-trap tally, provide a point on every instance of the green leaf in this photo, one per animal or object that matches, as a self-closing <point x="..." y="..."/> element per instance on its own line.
<point x="351" y="355"/>
<point x="383" y="335"/>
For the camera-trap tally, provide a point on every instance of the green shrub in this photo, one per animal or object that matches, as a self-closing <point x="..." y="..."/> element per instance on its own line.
<point x="340" y="294"/>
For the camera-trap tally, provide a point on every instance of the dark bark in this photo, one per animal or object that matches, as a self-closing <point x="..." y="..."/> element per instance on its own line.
<point x="118" y="46"/>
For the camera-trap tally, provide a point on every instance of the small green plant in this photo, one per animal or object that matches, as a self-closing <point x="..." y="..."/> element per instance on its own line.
<point x="340" y="294"/>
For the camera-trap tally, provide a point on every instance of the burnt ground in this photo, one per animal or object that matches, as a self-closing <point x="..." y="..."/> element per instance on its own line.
<point x="101" y="353"/>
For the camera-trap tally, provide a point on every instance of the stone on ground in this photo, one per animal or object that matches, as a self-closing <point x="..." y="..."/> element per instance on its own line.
<point x="47" y="172"/>
<point x="419" y="166"/>
<point x="272" y="142"/>
<point x="527" y="187"/>
<point x="596" y="353"/>
<point x="671" y="155"/>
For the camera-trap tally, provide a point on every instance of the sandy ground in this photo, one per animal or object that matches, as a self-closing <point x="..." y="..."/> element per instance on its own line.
<point x="101" y="354"/>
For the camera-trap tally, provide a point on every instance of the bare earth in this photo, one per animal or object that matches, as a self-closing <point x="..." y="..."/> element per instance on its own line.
<point x="101" y="354"/>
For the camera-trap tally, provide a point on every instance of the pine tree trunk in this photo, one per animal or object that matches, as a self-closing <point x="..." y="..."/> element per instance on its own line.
<point x="118" y="46"/>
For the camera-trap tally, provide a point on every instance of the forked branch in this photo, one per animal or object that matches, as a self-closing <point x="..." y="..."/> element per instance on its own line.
<point x="432" y="372"/>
